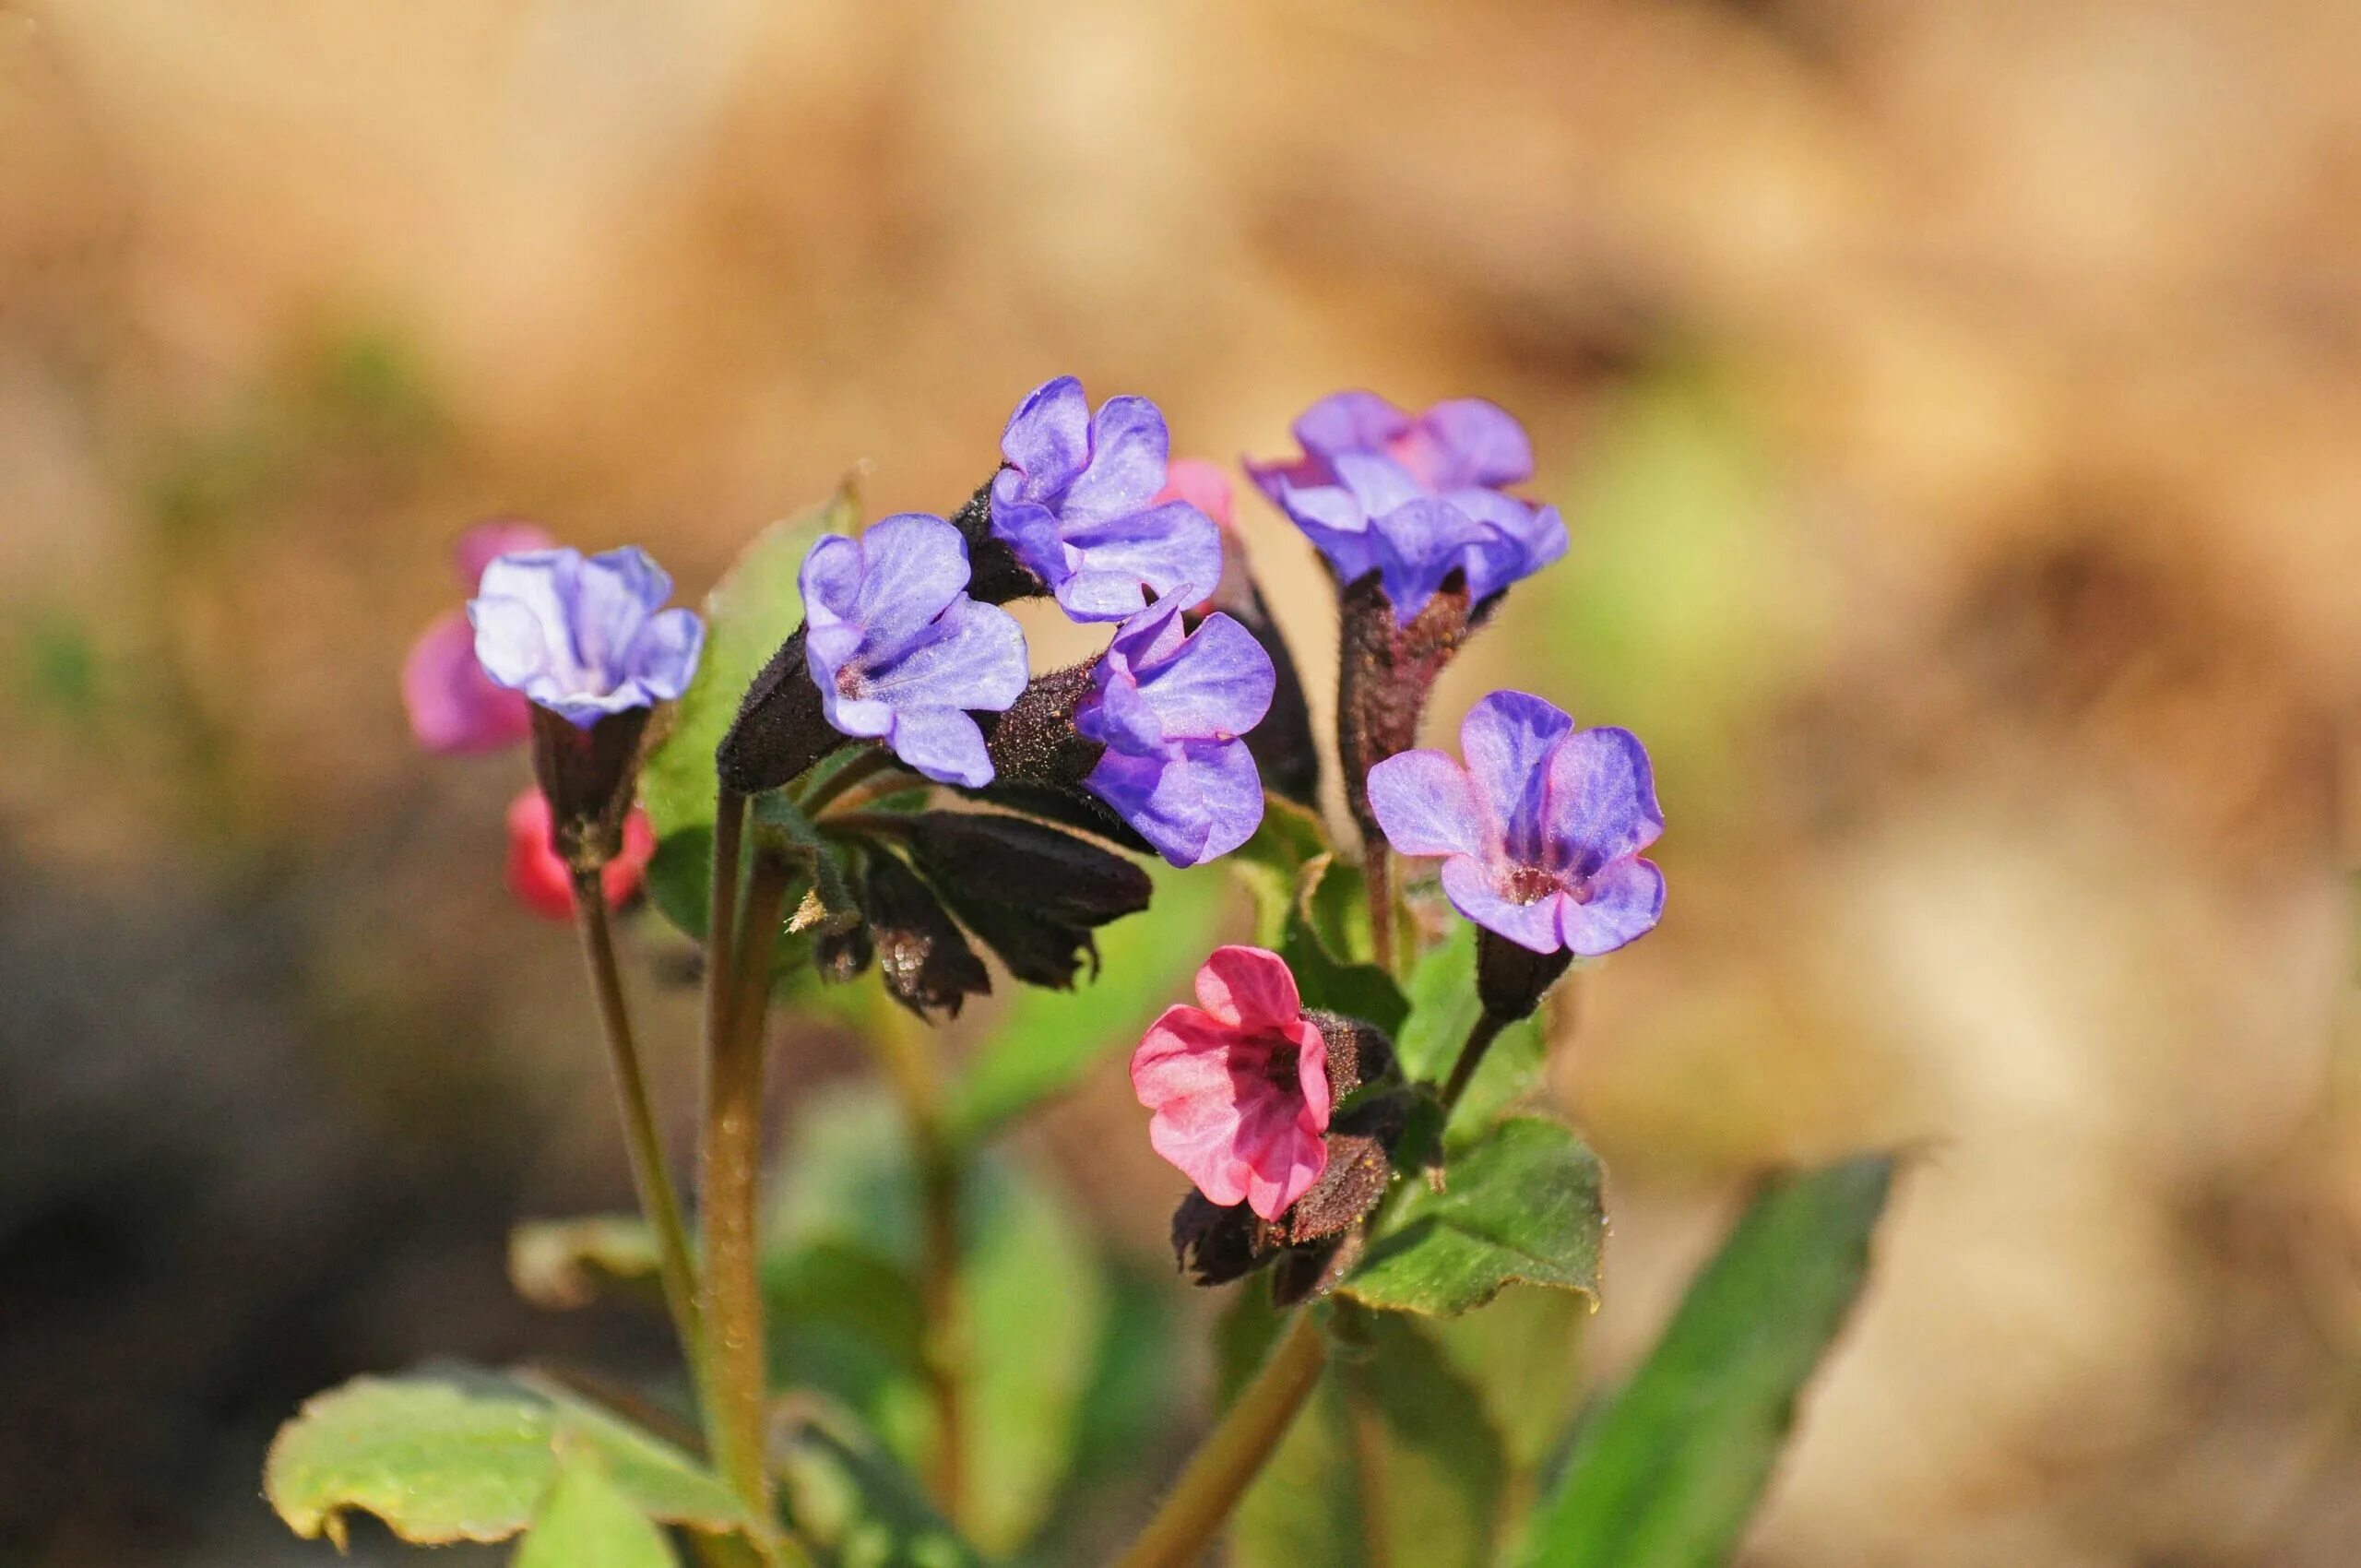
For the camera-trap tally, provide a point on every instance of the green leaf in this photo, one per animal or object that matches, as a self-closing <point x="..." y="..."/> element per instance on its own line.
<point x="1667" y="1475"/>
<point x="1444" y="1007"/>
<point x="1046" y="1040"/>
<point x="1034" y="1295"/>
<point x="469" y="1455"/>
<point x="1271" y="863"/>
<point x="1518" y="1351"/>
<point x="756" y="607"/>
<point x="587" y="1522"/>
<point x="1357" y="990"/>
<point x="1394" y="1462"/>
<point x="1522" y="1203"/>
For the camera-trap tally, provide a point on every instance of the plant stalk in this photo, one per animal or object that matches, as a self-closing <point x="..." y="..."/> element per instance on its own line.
<point x="730" y="1177"/>
<point x="1233" y="1452"/>
<point x="1471" y="1056"/>
<point x="650" y="1175"/>
<point x="1377" y="876"/>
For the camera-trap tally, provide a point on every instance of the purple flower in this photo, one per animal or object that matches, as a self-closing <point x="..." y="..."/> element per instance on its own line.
<point x="584" y="637"/>
<point x="1415" y="499"/>
<point x="1170" y="708"/>
<point x="900" y="653"/>
<point x="1542" y="828"/>
<point x="1077" y="504"/>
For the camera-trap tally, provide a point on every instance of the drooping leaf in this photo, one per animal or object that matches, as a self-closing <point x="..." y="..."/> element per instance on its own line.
<point x="753" y="609"/>
<point x="467" y="1455"/>
<point x="1046" y="1040"/>
<point x="1443" y="1008"/>
<point x="1394" y="1462"/>
<point x="1522" y="1205"/>
<point x="560" y="1265"/>
<point x="587" y="1522"/>
<point x="1668" y="1474"/>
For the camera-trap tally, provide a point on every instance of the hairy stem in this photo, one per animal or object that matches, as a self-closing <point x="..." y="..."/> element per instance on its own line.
<point x="651" y="1177"/>
<point x="1377" y="875"/>
<point x="1234" y="1452"/>
<point x="1471" y="1056"/>
<point x="729" y="1174"/>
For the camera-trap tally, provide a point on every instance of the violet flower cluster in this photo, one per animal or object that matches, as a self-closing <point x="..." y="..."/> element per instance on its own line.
<point x="1415" y="499"/>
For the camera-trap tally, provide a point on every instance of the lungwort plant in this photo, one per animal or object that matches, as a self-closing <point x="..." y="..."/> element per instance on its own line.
<point x="846" y="783"/>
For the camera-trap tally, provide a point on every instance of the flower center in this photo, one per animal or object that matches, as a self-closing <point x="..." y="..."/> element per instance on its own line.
<point x="1279" y="1068"/>
<point x="852" y="682"/>
<point x="1530" y="885"/>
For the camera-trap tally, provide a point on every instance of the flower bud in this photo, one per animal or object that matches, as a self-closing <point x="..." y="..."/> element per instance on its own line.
<point x="781" y="729"/>
<point x="1009" y="860"/>
<point x="1358" y="1053"/>
<point x="920" y="955"/>
<point x="1034" y="740"/>
<point x="589" y="776"/>
<point x="1511" y="979"/>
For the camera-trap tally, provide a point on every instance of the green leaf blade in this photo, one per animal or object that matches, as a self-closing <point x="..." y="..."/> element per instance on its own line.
<point x="1523" y="1205"/>
<point x="464" y="1455"/>
<point x="1669" y="1473"/>
<point x="587" y="1522"/>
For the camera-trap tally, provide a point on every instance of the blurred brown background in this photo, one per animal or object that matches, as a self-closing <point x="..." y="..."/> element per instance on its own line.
<point x="1957" y="407"/>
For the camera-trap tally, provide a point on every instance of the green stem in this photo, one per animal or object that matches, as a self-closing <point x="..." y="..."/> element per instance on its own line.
<point x="1233" y="1452"/>
<point x="729" y="1175"/>
<point x="1365" y="1431"/>
<point x="1471" y="1056"/>
<point x="650" y="1175"/>
<point x="860" y="770"/>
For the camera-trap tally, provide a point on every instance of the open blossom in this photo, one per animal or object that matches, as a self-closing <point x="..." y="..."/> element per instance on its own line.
<point x="537" y="874"/>
<point x="1078" y="503"/>
<point x="454" y="706"/>
<point x="1414" y="498"/>
<point x="900" y="653"/>
<point x="1239" y="1084"/>
<point x="1542" y="827"/>
<point x="1170" y="705"/>
<point x="584" y="637"/>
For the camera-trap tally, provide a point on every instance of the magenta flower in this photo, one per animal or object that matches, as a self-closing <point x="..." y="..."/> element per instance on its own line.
<point x="584" y="637"/>
<point x="1238" y="1085"/>
<point x="1077" y="503"/>
<point x="454" y="706"/>
<point x="1170" y="706"/>
<point x="900" y="653"/>
<point x="1415" y="499"/>
<point x="1542" y="828"/>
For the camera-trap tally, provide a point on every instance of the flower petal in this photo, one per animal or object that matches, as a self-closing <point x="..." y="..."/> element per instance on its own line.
<point x="511" y="644"/>
<point x="1348" y="421"/>
<point x="1203" y="485"/>
<point x="1129" y="445"/>
<point x="1162" y="546"/>
<point x="487" y="542"/>
<point x="663" y="658"/>
<point x="973" y="657"/>
<point x="1417" y="545"/>
<point x="829" y="580"/>
<point x="1469" y="886"/>
<point x="1285" y="1159"/>
<point x="1427" y="805"/>
<point x="912" y="565"/>
<point x="1601" y="800"/>
<point x="1218" y="683"/>
<point x="1192" y="804"/>
<point x="1252" y="988"/>
<point x="1626" y="901"/>
<point x="614" y="592"/>
<point x="454" y="706"/>
<point x="1474" y="443"/>
<point x="1049" y="435"/>
<point x="1506" y="740"/>
<point x="1379" y="484"/>
<point x="944" y="743"/>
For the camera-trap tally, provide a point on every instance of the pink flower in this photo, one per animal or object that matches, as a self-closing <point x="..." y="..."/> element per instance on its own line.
<point x="454" y="705"/>
<point x="540" y="880"/>
<point x="1238" y="1086"/>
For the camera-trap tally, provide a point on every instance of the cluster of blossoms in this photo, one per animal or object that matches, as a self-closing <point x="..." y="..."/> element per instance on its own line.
<point x="1165" y="741"/>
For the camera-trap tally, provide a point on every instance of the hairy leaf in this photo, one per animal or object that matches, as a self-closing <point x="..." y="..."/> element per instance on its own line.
<point x="1522" y="1205"/>
<point x="587" y="1522"/>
